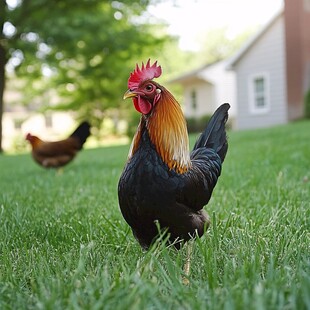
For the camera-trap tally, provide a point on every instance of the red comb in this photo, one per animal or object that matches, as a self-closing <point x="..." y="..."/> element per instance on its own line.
<point x="147" y="72"/>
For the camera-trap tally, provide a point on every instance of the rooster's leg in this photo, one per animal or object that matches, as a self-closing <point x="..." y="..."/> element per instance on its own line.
<point x="59" y="171"/>
<point x="187" y="265"/>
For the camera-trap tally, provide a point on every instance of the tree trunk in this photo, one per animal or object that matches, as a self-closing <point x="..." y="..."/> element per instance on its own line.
<point x="3" y="61"/>
<point x="2" y="86"/>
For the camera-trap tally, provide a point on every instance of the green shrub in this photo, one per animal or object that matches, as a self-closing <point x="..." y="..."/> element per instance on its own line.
<point x="133" y="122"/>
<point x="19" y="144"/>
<point x="307" y="104"/>
<point x="197" y="124"/>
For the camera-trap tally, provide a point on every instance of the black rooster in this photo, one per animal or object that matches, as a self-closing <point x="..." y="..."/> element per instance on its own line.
<point x="162" y="183"/>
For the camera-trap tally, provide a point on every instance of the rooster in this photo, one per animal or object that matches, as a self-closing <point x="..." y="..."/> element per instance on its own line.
<point x="164" y="186"/>
<point x="59" y="153"/>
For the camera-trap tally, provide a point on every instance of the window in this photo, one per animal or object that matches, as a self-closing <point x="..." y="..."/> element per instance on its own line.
<point x="259" y="93"/>
<point x="18" y="123"/>
<point x="194" y="99"/>
<point x="307" y="5"/>
<point x="48" y="121"/>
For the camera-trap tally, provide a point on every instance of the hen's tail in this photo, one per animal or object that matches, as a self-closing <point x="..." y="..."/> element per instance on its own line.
<point x="82" y="133"/>
<point x="214" y="136"/>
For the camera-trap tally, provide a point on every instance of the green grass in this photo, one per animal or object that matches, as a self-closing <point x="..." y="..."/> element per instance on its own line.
<point x="65" y="245"/>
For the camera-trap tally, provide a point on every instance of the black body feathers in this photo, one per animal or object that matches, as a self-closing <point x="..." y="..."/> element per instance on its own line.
<point x="150" y="193"/>
<point x="82" y="132"/>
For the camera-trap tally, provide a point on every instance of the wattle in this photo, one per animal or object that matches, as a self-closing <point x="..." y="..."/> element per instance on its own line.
<point x="142" y="105"/>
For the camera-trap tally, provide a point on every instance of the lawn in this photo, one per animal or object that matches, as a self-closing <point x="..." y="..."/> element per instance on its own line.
<point x="65" y="245"/>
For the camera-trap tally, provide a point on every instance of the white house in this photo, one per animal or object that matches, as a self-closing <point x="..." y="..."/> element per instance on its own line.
<point x="261" y="78"/>
<point x="207" y="88"/>
<point x="18" y="120"/>
<point x="269" y="75"/>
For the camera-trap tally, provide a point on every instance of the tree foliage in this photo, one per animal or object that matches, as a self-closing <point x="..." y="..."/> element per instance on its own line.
<point x="217" y="44"/>
<point x="307" y="104"/>
<point x="80" y="51"/>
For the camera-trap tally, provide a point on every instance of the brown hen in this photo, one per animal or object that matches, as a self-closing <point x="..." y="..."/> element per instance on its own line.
<point x="58" y="153"/>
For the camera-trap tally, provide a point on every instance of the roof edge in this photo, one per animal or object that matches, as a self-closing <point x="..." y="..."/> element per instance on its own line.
<point x="249" y="43"/>
<point x="193" y="73"/>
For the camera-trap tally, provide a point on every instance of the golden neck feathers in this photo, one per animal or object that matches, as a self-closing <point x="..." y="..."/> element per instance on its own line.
<point x="167" y="130"/>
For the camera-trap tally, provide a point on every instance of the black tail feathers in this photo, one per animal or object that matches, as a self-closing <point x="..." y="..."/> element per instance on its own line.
<point x="82" y="132"/>
<point x="214" y="136"/>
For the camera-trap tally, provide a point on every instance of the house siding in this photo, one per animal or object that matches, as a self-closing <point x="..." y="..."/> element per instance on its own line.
<point x="268" y="56"/>
<point x="204" y="99"/>
<point x="224" y="85"/>
<point x="214" y="85"/>
<point x="35" y="123"/>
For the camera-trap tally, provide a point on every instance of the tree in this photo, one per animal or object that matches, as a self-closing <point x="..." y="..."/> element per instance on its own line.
<point x="217" y="45"/>
<point x="82" y="50"/>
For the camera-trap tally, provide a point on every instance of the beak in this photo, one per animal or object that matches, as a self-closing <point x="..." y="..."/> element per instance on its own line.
<point x="129" y="94"/>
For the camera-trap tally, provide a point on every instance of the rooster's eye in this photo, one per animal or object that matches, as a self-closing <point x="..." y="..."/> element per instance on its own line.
<point x="149" y="87"/>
